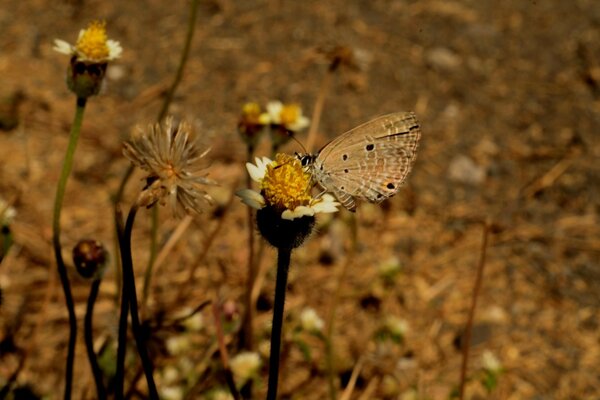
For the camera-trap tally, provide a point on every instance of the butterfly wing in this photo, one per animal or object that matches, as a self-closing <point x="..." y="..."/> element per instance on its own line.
<point x="371" y="161"/>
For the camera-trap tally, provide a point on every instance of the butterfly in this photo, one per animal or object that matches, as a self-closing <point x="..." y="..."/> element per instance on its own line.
<point x="369" y="162"/>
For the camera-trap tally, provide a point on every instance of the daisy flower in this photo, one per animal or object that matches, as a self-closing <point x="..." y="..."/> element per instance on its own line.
<point x="285" y="187"/>
<point x="92" y="46"/>
<point x="174" y="166"/>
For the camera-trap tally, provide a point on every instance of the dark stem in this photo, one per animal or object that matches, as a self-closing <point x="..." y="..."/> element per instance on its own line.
<point x="62" y="269"/>
<point x="89" y="341"/>
<point x="130" y="294"/>
<point x="283" y="266"/>
<point x="476" y="289"/>
<point x="122" y="339"/>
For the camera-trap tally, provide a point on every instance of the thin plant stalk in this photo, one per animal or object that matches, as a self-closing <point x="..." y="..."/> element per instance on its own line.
<point x="319" y="104"/>
<point x="468" y="329"/>
<point x="223" y="350"/>
<point x="283" y="266"/>
<point x="89" y="342"/>
<point x="247" y="340"/>
<point x="130" y="295"/>
<point x="247" y="334"/>
<point x="161" y="115"/>
<point x="62" y="269"/>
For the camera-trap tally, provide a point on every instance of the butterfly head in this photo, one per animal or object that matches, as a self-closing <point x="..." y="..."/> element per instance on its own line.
<point x="306" y="159"/>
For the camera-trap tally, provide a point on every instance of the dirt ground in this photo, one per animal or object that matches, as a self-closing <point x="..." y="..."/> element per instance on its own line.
<point x="508" y="95"/>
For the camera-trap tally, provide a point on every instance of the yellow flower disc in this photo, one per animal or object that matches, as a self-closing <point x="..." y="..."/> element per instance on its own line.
<point x="92" y="43"/>
<point x="286" y="185"/>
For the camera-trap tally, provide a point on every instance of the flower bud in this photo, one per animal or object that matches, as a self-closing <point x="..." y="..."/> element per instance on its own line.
<point x="90" y="258"/>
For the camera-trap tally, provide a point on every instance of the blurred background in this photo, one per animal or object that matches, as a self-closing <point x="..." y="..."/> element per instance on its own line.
<point x="508" y="95"/>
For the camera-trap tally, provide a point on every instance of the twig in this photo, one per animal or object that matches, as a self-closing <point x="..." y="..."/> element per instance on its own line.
<point x="223" y="350"/>
<point x="353" y="378"/>
<point x="318" y="110"/>
<point x="548" y="178"/>
<point x="162" y="255"/>
<point x="476" y="289"/>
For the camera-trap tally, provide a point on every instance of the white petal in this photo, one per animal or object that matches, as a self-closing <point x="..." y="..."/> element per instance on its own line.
<point x="298" y="212"/>
<point x="326" y="204"/>
<point x="251" y="198"/>
<point x="256" y="173"/>
<point x="274" y="109"/>
<point x="63" y="47"/>
<point x="114" y="49"/>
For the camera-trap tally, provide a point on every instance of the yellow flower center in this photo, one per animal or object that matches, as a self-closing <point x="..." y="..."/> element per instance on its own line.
<point x="92" y="43"/>
<point x="289" y="114"/>
<point x="286" y="185"/>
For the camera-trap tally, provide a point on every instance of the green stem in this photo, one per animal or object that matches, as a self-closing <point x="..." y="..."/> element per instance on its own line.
<point x="162" y="114"/>
<point x="152" y="259"/>
<point x="283" y="266"/>
<point x="62" y="269"/>
<point x="89" y="342"/>
<point x="182" y="61"/>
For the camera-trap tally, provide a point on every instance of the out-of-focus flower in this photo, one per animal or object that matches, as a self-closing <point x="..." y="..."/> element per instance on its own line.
<point x="285" y="186"/>
<point x="89" y="58"/>
<point x="490" y="362"/>
<point x="178" y="345"/>
<point x="252" y="123"/>
<point x="7" y="213"/>
<point x="396" y="326"/>
<point x="289" y="116"/>
<point x="174" y="165"/>
<point x="245" y="366"/>
<point x="171" y="393"/>
<point x="285" y="119"/>
<point x="310" y="320"/>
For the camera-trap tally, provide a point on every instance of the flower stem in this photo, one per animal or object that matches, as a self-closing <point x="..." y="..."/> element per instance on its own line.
<point x="62" y="269"/>
<point x="89" y="342"/>
<point x="130" y="296"/>
<point x="122" y="337"/>
<point x="283" y="266"/>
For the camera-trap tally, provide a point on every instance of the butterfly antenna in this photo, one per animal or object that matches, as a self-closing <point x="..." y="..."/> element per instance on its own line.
<point x="300" y="143"/>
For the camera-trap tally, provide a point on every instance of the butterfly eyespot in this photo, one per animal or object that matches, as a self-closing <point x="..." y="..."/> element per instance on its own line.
<point x="341" y="187"/>
<point x="379" y="195"/>
<point x="345" y="157"/>
<point x="391" y="186"/>
<point x="370" y="147"/>
<point x="346" y="170"/>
